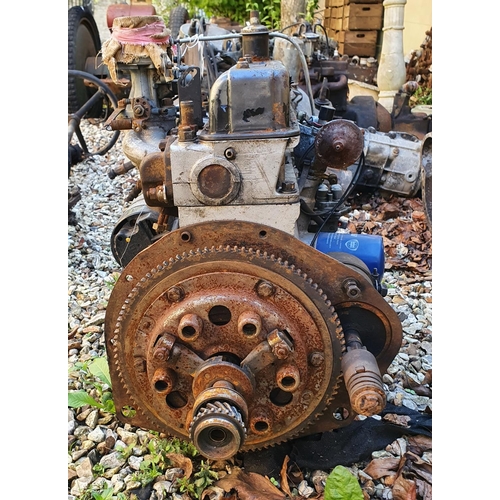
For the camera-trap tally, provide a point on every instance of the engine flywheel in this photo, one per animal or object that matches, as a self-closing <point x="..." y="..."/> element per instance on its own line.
<point x="235" y="317"/>
<point x="232" y="346"/>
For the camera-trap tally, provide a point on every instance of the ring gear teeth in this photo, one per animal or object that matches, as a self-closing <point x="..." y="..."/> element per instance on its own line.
<point x="218" y="407"/>
<point x="166" y="265"/>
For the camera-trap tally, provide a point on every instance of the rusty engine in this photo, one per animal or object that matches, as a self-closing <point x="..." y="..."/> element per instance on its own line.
<point x="243" y="316"/>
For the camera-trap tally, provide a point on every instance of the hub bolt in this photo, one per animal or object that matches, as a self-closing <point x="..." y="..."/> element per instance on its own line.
<point x="351" y="288"/>
<point x="265" y="289"/>
<point x="175" y="294"/>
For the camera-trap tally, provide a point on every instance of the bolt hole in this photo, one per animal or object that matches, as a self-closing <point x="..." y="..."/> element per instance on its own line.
<point x="186" y="236"/>
<point x="287" y="381"/>
<point x="279" y="397"/>
<point x="188" y="331"/>
<point x="249" y="329"/>
<point x="161" y="385"/>
<point x="219" y="315"/>
<point x="261" y="426"/>
<point x="176" y="400"/>
<point x="230" y="153"/>
<point x="263" y="234"/>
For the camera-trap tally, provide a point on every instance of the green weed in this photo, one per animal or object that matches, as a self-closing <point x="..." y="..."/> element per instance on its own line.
<point x="95" y="375"/>
<point x="422" y="96"/>
<point x="201" y="480"/>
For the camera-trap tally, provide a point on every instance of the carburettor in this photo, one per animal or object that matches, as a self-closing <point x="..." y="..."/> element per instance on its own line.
<point x="229" y="328"/>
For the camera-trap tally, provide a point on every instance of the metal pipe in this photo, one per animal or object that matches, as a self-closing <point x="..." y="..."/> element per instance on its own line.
<point x="211" y="38"/>
<point x="304" y="65"/>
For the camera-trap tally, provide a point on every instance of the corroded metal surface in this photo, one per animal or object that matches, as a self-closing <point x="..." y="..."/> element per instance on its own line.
<point x="339" y="143"/>
<point x="241" y="315"/>
<point x="426" y="175"/>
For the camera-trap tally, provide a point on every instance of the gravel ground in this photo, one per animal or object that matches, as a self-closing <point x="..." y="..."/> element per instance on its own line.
<point x="94" y="436"/>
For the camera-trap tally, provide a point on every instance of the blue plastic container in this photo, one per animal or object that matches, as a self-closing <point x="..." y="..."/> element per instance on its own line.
<point x="367" y="247"/>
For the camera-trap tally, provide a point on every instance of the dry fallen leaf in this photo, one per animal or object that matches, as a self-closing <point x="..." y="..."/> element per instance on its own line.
<point x="390" y="479"/>
<point x="421" y="390"/>
<point x="423" y="471"/>
<point x="404" y="489"/>
<point x="351" y="227"/>
<point x="295" y="475"/>
<point x="380" y="467"/>
<point x="419" y="216"/>
<point x="389" y="211"/>
<point x="284" y="477"/>
<point x="250" y="486"/>
<point x="319" y="479"/>
<point x="397" y="220"/>
<point x="420" y="443"/>
<point x="427" y="377"/>
<point x="424" y="489"/>
<point x="181" y="462"/>
<point x="213" y="493"/>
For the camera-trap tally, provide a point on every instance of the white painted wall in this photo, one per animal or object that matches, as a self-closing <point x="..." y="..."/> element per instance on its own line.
<point x="100" y="8"/>
<point x="418" y="19"/>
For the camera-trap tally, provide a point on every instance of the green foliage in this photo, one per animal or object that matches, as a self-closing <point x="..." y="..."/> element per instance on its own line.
<point x="77" y="399"/>
<point x="163" y="8"/>
<point x="147" y="473"/>
<point x="106" y="494"/>
<point x="125" y="453"/>
<point x="201" y="480"/>
<point x="128" y="411"/>
<point x="108" y="403"/>
<point x="270" y="12"/>
<point x="111" y="281"/>
<point x="98" y="469"/>
<point x="237" y="10"/>
<point x="95" y="375"/>
<point x="312" y="7"/>
<point x="422" y="96"/>
<point x="174" y="445"/>
<point x="86" y="495"/>
<point x="158" y="462"/>
<point x="82" y="366"/>
<point x="186" y="486"/>
<point x="342" y="485"/>
<point x="100" y="369"/>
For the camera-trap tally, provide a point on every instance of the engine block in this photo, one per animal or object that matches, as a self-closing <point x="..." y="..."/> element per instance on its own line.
<point x="229" y="327"/>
